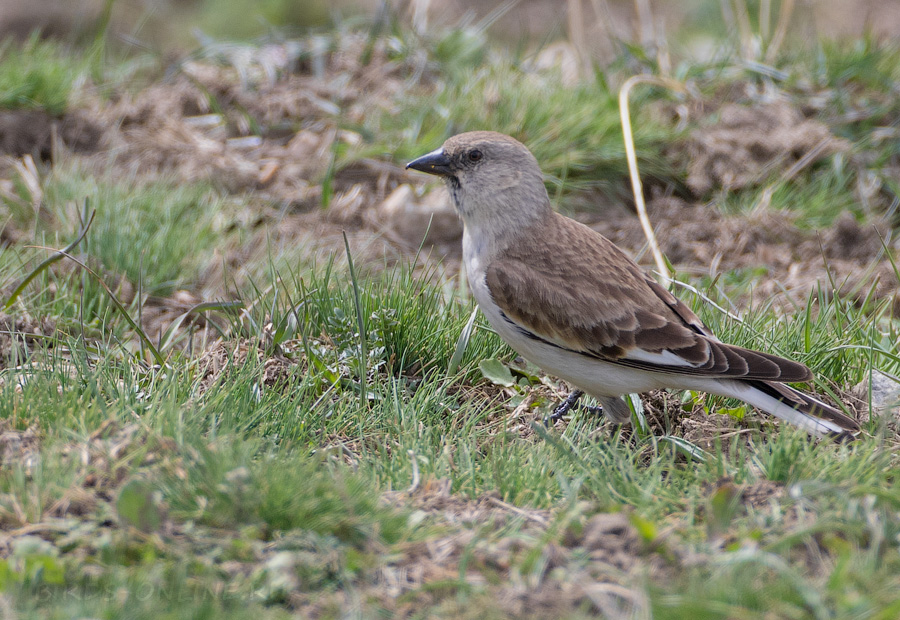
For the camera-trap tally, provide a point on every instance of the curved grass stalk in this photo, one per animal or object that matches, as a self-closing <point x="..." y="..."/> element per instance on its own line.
<point x="631" y="157"/>
<point x="59" y="255"/>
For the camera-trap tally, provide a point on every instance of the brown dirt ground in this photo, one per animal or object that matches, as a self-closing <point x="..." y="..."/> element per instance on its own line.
<point x="741" y="145"/>
<point x="225" y="357"/>
<point x="31" y="132"/>
<point x="19" y="335"/>
<point x="592" y="566"/>
<point x="18" y="446"/>
<point x="699" y="240"/>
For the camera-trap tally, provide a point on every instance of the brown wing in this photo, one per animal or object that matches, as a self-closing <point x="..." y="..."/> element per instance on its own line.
<point x="578" y="291"/>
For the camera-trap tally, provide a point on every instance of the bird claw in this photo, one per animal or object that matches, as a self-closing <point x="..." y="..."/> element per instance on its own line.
<point x="567" y="405"/>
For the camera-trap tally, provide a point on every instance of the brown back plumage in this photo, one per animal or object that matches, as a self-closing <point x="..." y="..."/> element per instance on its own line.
<point x="579" y="291"/>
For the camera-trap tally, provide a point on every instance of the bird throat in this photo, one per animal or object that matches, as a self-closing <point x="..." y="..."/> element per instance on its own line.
<point x="455" y="189"/>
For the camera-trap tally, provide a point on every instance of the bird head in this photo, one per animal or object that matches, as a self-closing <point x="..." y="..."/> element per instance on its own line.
<point x="493" y="179"/>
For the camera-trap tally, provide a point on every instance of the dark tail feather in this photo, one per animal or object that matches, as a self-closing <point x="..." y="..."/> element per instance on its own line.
<point x="806" y="404"/>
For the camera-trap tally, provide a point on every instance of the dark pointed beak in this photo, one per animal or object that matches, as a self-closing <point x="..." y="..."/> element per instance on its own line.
<point x="433" y="163"/>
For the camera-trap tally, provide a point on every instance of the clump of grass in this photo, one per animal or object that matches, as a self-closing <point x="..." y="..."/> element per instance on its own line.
<point x="411" y="326"/>
<point x="151" y="237"/>
<point x="574" y="131"/>
<point x="816" y="198"/>
<point x="157" y="232"/>
<point x="38" y="75"/>
<point x="231" y="485"/>
<point x="866" y="66"/>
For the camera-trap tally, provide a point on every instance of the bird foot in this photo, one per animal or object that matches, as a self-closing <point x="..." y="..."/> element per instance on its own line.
<point x="567" y="405"/>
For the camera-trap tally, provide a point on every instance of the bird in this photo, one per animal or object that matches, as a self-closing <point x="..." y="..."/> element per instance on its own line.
<point x="573" y="303"/>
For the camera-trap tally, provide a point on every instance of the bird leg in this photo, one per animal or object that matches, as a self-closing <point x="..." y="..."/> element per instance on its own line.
<point x="567" y="405"/>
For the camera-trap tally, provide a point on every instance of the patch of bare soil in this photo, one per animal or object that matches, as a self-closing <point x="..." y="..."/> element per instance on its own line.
<point x="19" y="335"/>
<point x="317" y="237"/>
<point x="667" y="414"/>
<point x="159" y="313"/>
<point x="758" y="495"/>
<point x="18" y="446"/>
<point x="435" y="500"/>
<point x="407" y="220"/>
<point x="226" y="357"/>
<point x="32" y="132"/>
<point x="265" y="120"/>
<point x="592" y="566"/>
<point x="744" y="145"/>
<point x="700" y="240"/>
<point x="102" y="462"/>
<point x="265" y="123"/>
<point x="761" y="494"/>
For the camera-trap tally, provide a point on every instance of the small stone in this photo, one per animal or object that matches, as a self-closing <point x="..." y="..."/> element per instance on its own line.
<point x="885" y="395"/>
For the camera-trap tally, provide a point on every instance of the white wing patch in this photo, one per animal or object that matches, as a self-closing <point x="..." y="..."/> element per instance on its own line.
<point x="664" y="358"/>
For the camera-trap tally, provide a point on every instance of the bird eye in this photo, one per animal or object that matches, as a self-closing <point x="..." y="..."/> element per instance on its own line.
<point x="475" y="155"/>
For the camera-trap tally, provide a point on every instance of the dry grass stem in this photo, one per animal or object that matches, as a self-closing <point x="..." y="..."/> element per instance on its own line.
<point x="631" y="156"/>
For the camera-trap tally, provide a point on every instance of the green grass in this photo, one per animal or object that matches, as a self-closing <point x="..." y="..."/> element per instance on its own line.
<point x="574" y="131"/>
<point x="237" y="462"/>
<point x="816" y="199"/>
<point x="151" y="232"/>
<point x="340" y="453"/>
<point x="39" y="75"/>
<point x="151" y="237"/>
<point x="863" y="74"/>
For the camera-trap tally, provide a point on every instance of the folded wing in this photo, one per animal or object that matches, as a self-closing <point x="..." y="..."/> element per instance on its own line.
<point x="592" y="299"/>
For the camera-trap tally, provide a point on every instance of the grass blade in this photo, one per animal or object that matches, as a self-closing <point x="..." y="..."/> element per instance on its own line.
<point x="361" y="325"/>
<point x="157" y="356"/>
<point x="59" y="255"/>
<point x="462" y="344"/>
<point x="169" y="337"/>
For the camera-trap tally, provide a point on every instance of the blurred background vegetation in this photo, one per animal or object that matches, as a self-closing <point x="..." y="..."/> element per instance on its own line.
<point x="692" y="27"/>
